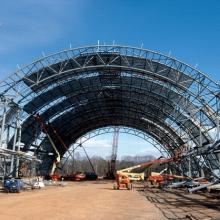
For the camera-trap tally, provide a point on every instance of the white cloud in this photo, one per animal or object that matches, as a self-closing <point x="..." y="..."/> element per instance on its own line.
<point x="98" y="143"/>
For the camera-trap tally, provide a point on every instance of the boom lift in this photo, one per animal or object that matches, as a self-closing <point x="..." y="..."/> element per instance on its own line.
<point x="161" y="178"/>
<point x="122" y="181"/>
<point x="45" y="128"/>
<point x="137" y="172"/>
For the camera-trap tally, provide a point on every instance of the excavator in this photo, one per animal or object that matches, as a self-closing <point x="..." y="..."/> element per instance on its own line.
<point x="125" y="176"/>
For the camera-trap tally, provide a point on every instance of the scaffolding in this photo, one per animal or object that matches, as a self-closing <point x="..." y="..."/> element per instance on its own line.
<point x="10" y="139"/>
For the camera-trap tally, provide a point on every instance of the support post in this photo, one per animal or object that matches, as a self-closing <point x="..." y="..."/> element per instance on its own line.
<point x="18" y="143"/>
<point x="217" y="121"/>
<point x="13" y="148"/>
<point x="3" y="124"/>
<point x="189" y="164"/>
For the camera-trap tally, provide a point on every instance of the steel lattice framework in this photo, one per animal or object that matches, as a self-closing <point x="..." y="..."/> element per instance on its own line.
<point x="83" y="89"/>
<point x="123" y="130"/>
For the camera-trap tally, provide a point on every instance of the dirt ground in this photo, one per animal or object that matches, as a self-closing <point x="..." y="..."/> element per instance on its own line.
<point x="97" y="200"/>
<point x="78" y="200"/>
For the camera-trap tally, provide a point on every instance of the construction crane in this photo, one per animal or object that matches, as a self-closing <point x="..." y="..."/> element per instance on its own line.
<point x="112" y="164"/>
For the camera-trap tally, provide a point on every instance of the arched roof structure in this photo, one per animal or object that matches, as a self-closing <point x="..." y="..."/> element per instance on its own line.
<point x="83" y="89"/>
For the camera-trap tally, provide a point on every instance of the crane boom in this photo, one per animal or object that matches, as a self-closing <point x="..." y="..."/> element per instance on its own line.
<point x="139" y="175"/>
<point x="115" y="144"/>
<point x="112" y="163"/>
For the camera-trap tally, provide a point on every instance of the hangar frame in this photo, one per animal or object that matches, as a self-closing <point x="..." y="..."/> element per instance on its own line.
<point x="82" y="89"/>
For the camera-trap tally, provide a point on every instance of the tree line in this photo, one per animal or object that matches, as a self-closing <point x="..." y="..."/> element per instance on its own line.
<point x="100" y="165"/>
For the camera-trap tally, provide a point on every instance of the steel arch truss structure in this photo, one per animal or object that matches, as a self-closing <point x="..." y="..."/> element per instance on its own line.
<point x="110" y="130"/>
<point x="124" y="130"/>
<point x="83" y="89"/>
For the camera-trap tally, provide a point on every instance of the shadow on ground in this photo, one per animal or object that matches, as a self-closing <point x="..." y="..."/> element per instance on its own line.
<point x="176" y="204"/>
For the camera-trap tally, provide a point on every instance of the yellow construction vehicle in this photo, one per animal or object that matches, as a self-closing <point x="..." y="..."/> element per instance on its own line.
<point x="133" y="176"/>
<point x="136" y="173"/>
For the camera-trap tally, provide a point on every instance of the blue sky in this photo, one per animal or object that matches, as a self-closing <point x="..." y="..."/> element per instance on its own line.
<point x="127" y="145"/>
<point x="189" y="30"/>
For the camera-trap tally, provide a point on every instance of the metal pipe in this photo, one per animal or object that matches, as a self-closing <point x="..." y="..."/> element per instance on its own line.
<point x="13" y="148"/>
<point x="189" y="164"/>
<point x="217" y="122"/>
<point x="88" y="159"/>
<point x="8" y="136"/>
<point x="4" y="168"/>
<point x="3" y="124"/>
<point x="62" y="142"/>
<point x="19" y="143"/>
<point x="57" y="152"/>
<point x="202" y="186"/>
<point x="69" y="155"/>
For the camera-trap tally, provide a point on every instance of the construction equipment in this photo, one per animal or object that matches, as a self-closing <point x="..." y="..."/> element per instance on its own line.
<point x="136" y="173"/>
<point x="122" y="181"/>
<point x="133" y="176"/>
<point x="159" y="179"/>
<point x="112" y="164"/>
<point x="156" y="179"/>
<point x="45" y="128"/>
<point x="79" y="176"/>
<point x="55" y="177"/>
<point x="91" y="176"/>
<point x="12" y="185"/>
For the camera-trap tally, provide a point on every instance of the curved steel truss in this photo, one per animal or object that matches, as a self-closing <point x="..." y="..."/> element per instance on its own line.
<point x="150" y="142"/>
<point x="83" y="89"/>
<point x="123" y="130"/>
